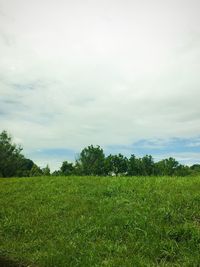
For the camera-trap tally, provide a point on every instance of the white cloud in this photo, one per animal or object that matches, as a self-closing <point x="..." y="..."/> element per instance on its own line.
<point x="74" y="73"/>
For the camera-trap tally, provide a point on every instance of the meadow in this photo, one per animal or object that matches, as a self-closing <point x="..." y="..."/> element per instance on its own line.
<point x="100" y="221"/>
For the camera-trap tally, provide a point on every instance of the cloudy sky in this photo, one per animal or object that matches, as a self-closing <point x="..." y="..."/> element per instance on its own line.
<point x="123" y="74"/>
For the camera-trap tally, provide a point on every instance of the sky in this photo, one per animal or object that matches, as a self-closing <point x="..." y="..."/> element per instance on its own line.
<point x="122" y="74"/>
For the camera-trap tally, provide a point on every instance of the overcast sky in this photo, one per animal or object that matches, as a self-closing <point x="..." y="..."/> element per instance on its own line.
<point x="123" y="74"/>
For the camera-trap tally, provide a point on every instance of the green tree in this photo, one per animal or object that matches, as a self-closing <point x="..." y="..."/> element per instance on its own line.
<point x="132" y="166"/>
<point x="195" y="169"/>
<point x="140" y="166"/>
<point x="67" y="168"/>
<point x="147" y="165"/>
<point x="25" y="167"/>
<point x="182" y="170"/>
<point x="10" y="156"/>
<point x="35" y="171"/>
<point x="46" y="171"/>
<point x="116" y="164"/>
<point x="91" y="161"/>
<point x="56" y="173"/>
<point x="166" y="166"/>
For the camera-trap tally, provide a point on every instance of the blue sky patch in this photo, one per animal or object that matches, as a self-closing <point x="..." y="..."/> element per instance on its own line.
<point x="157" y="147"/>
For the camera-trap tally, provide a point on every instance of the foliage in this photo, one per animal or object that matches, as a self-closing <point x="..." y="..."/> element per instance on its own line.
<point x="10" y="156"/>
<point x="116" y="165"/>
<point x="147" y="165"/>
<point x="57" y="173"/>
<point x="35" y="171"/>
<point x="67" y="168"/>
<point x="24" y="167"/>
<point x="46" y="171"/>
<point x="167" y="166"/>
<point x="12" y="162"/>
<point x="195" y="169"/>
<point x="91" y="161"/>
<point x="182" y="170"/>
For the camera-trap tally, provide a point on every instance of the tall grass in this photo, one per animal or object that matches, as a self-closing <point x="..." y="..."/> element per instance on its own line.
<point x="100" y="221"/>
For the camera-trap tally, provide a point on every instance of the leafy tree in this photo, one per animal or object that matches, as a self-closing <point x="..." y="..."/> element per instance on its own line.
<point x="182" y="170"/>
<point x="195" y="167"/>
<point x="67" y="168"/>
<point x="116" y="164"/>
<point x="166" y="166"/>
<point x="56" y="173"/>
<point x="10" y="156"/>
<point x="91" y="161"/>
<point x="133" y="166"/>
<point x="46" y="171"/>
<point x="25" y="167"/>
<point x="147" y="165"/>
<point x="36" y="171"/>
<point x="141" y="166"/>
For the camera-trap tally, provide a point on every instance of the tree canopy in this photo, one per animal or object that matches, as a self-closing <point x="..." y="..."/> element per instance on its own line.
<point x="12" y="162"/>
<point x="91" y="161"/>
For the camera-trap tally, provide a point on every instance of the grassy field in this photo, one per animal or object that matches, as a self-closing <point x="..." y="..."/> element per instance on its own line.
<point x="95" y="221"/>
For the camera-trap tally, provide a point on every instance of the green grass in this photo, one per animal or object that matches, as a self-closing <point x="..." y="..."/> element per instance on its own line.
<point x="95" y="221"/>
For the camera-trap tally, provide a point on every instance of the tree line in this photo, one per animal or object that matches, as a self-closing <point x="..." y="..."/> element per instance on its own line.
<point x="91" y="161"/>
